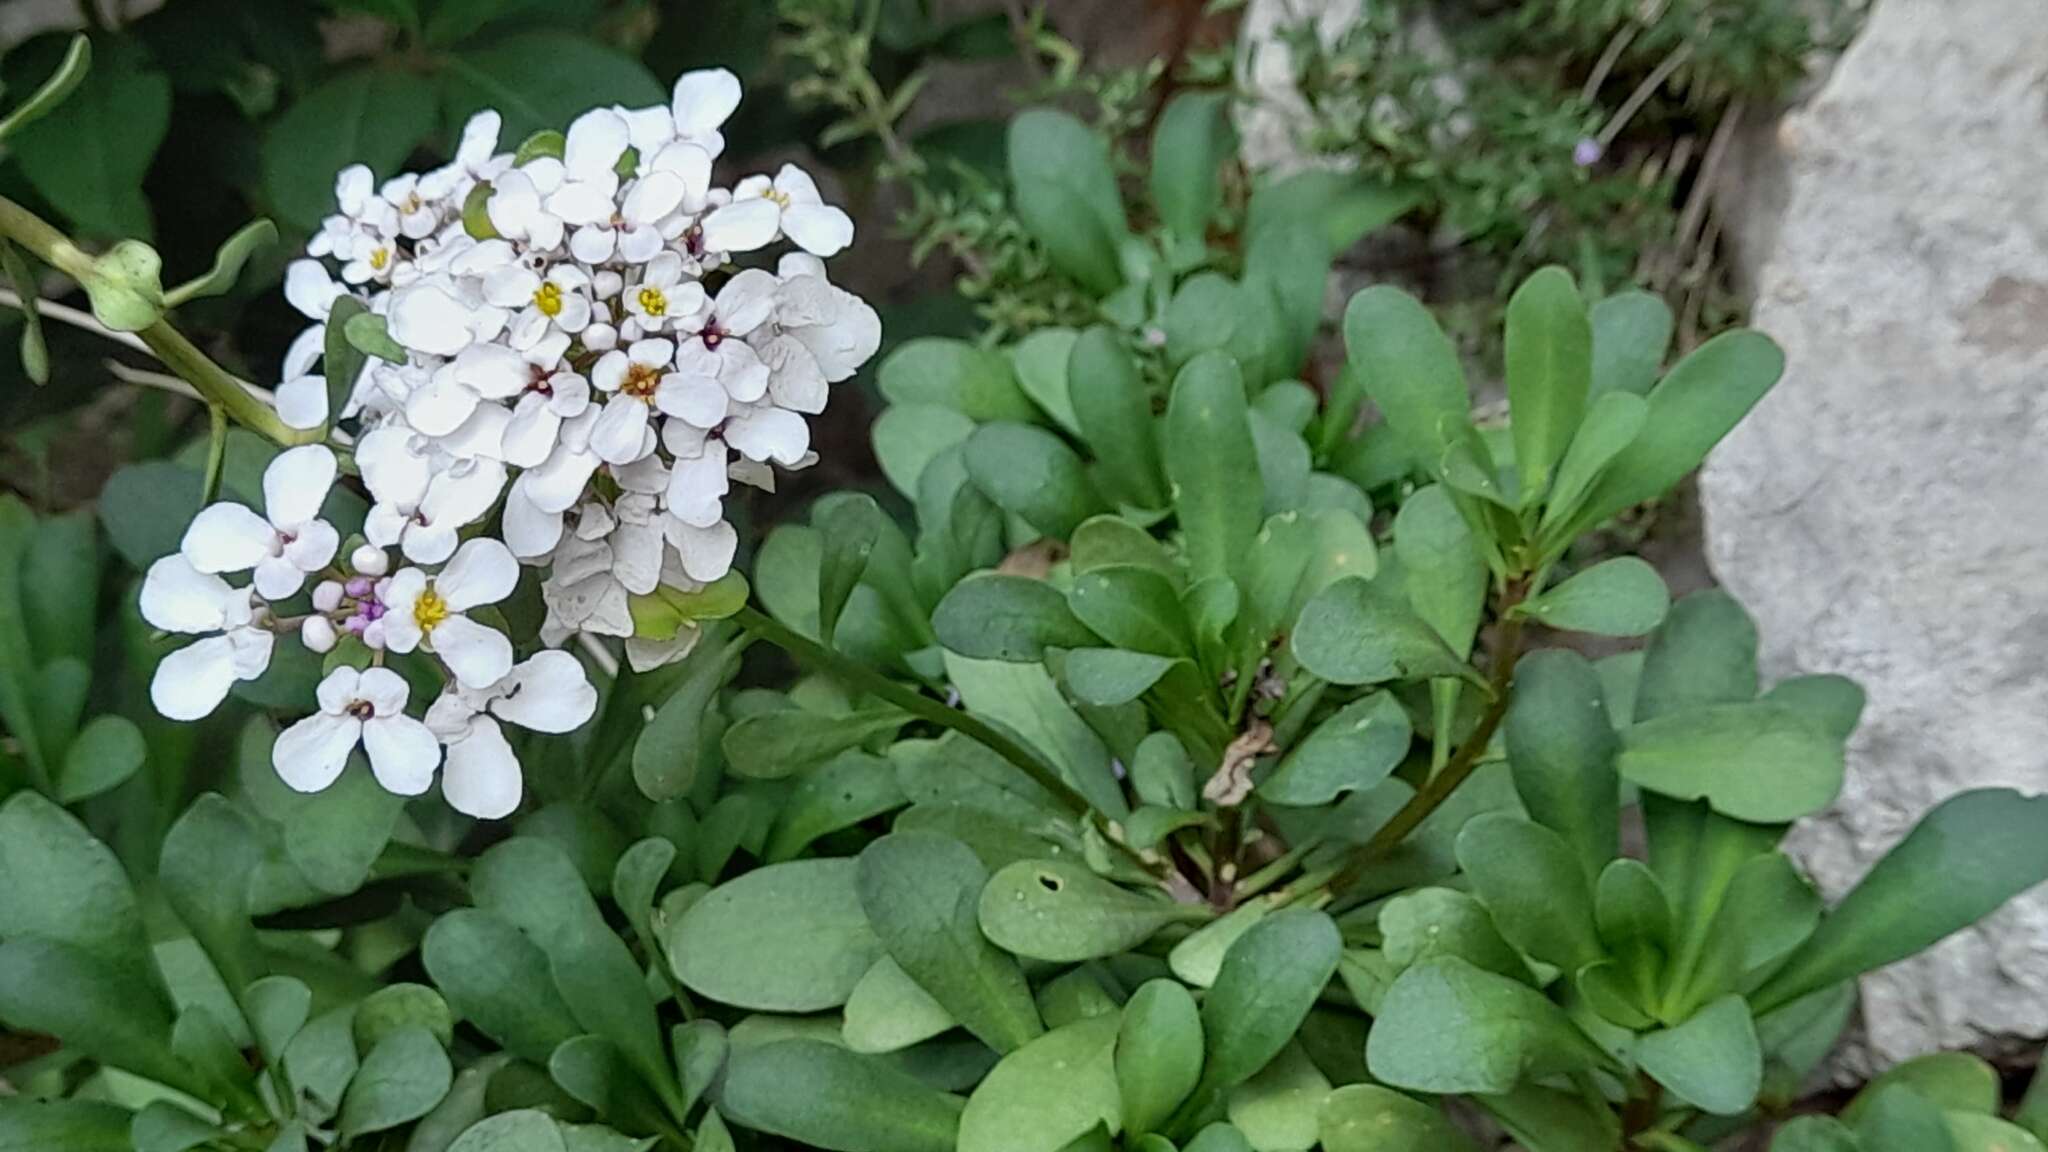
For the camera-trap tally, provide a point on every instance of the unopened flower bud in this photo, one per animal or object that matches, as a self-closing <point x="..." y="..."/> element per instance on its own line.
<point x="370" y="560"/>
<point x="327" y="596"/>
<point x="600" y="337"/>
<point x="373" y="635"/>
<point x="318" y="633"/>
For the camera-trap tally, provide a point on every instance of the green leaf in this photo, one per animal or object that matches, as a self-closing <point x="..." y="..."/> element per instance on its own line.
<point x="1410" y="370"/>
<point x="991" y="616"/>
<point x="1344" y="206"/>
<point x="840" y="793"/>
<point x="56" y="870"/>
<point x="1550" y="1120"/>
<point x="1561" y="749"/>
<point x="88" y="154"/>
<point x="162" y="1126"/>
<point x="228" y="260"/>
<point x="906" y="436"/>
<point x="106" y="752"/>
<point x="847" y="524"/>
<point x="1058" y="910"/>
<point x="1711" y="1061"/>
<point x="1448" y="1026"/>
<point x="365" y="331"/>
<point x="277" y="1007"/>
<point x="1964" y="859"/>
<point x="1631" y="331"/>
<point x="1023" y="698"/>
<point x="1270" y="978"/>
<point x="888" y="1011"/>
<point x="1704" y="653"/>
<point x="1356" y="748"/>
<point x="520" y="1130"/>
<point x="35" y="350"/>
<point x="1210" y="460"/>
<point x="1612" y="423"/>
<point x="1114" y="414"/>
<point x="1048" y="1093"/>
<point x="370" y="116"/>
<point x="401" y="1079"/>
<point x="1534" y="885"/>
<point x="788" y="937"/>
<point x="921" y="893"/>
<point x="335" y="836"/>
<point x="1133" y="607"/>
<point x="827" y="1097"/>
<point x="1040" y="362"/>
<point x="1760" y="762"/>
<point x="966" y="378"/>
<point x="685" y="737"/>
<point x="1621" y="596"/>
<point x="1066" y="195"/>
<point x="1369" y="1118"/>
<point x="545" y="79"/>
<point x="1549" y="371"/>
<point x="1814" y="1134"/>
<point x="395" y="1007"/>
<point x="31" y="1125"/>
<point x="203" y="871"/>
<point x="1972" y="1132"/>
<point x="1445" y="569"/>
<point x="1278" y="1108"/>
<point x="1427" y="922"/>
<point x="1956" y="1081"/>
<point x="1032" y="474"/>
<point x="1189" y="148"/>
<point x="784" y="742"/>
<point x="1353" y="632"/>
<point x="96" y="1006"/>
<point x="1901" y="1120"/>
<point x="592" y="1070"/>
<point x="202" y="1042"/>
<point x="341" y="360"/>
<point x="498" y="980"/>
<point x="1158" y="1053"/>
<point x="1702" y="399"/>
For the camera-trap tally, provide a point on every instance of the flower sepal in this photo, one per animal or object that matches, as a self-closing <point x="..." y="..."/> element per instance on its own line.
<point x="660" y="614"/>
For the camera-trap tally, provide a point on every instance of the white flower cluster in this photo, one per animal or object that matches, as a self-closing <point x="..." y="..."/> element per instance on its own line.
<point x="585" y="370"/>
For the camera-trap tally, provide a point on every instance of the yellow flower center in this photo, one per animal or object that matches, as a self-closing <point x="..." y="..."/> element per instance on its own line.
<point x="548" y="298"/>
<point x="429" y="610"/>
<point x="653" y="302"/>
<point x="777" y="195"/>
<point x="640" y="383"/>
<point x="379" y="257"/>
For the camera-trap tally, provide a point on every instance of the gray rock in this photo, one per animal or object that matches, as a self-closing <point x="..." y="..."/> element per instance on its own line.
<point x="1885" y="512"/>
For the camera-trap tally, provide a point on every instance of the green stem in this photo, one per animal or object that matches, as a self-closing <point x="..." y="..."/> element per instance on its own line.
<point x="809" y="651"/>
<point x="1460" y="766"/>
<point x="215" y="384"/>
<point x="216" y="452"/>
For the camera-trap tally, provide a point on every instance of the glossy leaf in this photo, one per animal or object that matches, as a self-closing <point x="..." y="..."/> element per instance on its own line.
<point x="1409" y="369"/>
<point x="1631" y="331"/>
<point x="1032" y="474"/>
<point x="1158" y="1053"/>
<point x="1549" y="372"/>
<point x="1192" y="142"/>
<point x="778" y="744"/>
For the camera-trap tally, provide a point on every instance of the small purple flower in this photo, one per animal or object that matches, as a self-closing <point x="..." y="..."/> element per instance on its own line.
<point x="355" y="624"/>
<point x="1587" y="152"/>
<point x="359" y="587"/>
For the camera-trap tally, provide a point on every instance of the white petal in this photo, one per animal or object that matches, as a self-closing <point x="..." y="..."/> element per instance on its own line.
<point x="531" y="434"/>
<point x="594" y="143"/>
<point x="481" y="572"/>
<point x="746" y="301"/>
<point x="636" y="557"/>
<point x="493" y="370"/>
<point x="585" y="201"/>
<point x="741" y="371"/>
<point x="302" y="401"/>
<point x="555" y="485"/>
<point x="278" y="578"/>
<point x="769" y="434"/>
<point x="550" y="692"/>
<point x="690" y="163"/>
<point x="483" y="434"/>
<point x="462" y="496"/>
<point x="703" y="100"/>
<point x="795" y="382"/>
<point x="384" y="690"/>
<point x="337" y="689"/>
<point x="819" y="229"/>
<point x="479" y="656"/>
<point x="481" y="778"/>
<point x="742" y="226"/>
<point x="647" y="129"/>
<point x="177" y="597"/>
<point x="311" y="753"/>
<point x="621" y="431"/>
<point x="707" y="552"/>
<point x="592" y="244"/>
<point x="309" y="289"/>
<point x="227" y="538"/>
<point x="441" y="406"/>
<point x="252" y="651"/>
<point x="428" y="543"/>
<point x="639" y="245"/>
<point x="393" y="472"/>
<point x="797" y="184"/>
<point x="296" y="483"/>
<point x="701" y="400"/>
<point x="510" y="286"/>
<point x="403" y="754"/>
<point x="652" y="353"/>
<point x="653" y="196"/>
<point x="850" y="341"/>
<point x="697" y="487"/>
<point x="609" y="371"/>
<point x="514" y="204"/>
<point x="426" y="319"/>
<point x="191" y="682"/>
<point x="305" y="350"/>
<point x="647" y="476"/>
<point x="528" y="531"/>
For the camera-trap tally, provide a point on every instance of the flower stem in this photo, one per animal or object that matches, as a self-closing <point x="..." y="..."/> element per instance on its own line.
<point x="214" y="384"/>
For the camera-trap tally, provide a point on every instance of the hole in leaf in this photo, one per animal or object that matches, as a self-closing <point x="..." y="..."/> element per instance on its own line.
<point x="1050" y="882"/>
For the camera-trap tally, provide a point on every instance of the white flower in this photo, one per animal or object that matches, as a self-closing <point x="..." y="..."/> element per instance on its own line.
<point x="547" y="693"/>
<point x="429" y="610"/>
<point x="472" y="160"/>
<point x="663" y="298"/>
<point x="478" y="372"/>
<point x="308" y="288"/>
<point x="633" y="230"/>
<point x="537" y="418"/>
<point x="291" y="542"/>
<point x="420" y="511"/>
<point x="706" y="553"/>
<point x="366" y="707"/>
<point x="839" y="328"/>
<point x="719" y="348"/>
<point x="629" y="380"/>
<point x="788" y="205"/>
<point x="766" y="432"/>
<point x="697" y="483"/>
<point x="191" y="682"/>
<point x="426" y="318"/>
<point x="517" y="208"/>
<point x="590" y="158"/>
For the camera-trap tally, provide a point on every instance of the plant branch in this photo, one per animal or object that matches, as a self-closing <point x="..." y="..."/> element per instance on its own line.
<point x="1428" y="798"/>
<point x="76" y="317"/>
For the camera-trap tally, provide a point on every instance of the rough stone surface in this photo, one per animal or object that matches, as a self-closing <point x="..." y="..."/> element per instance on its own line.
<point x="1885" y="512"/>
